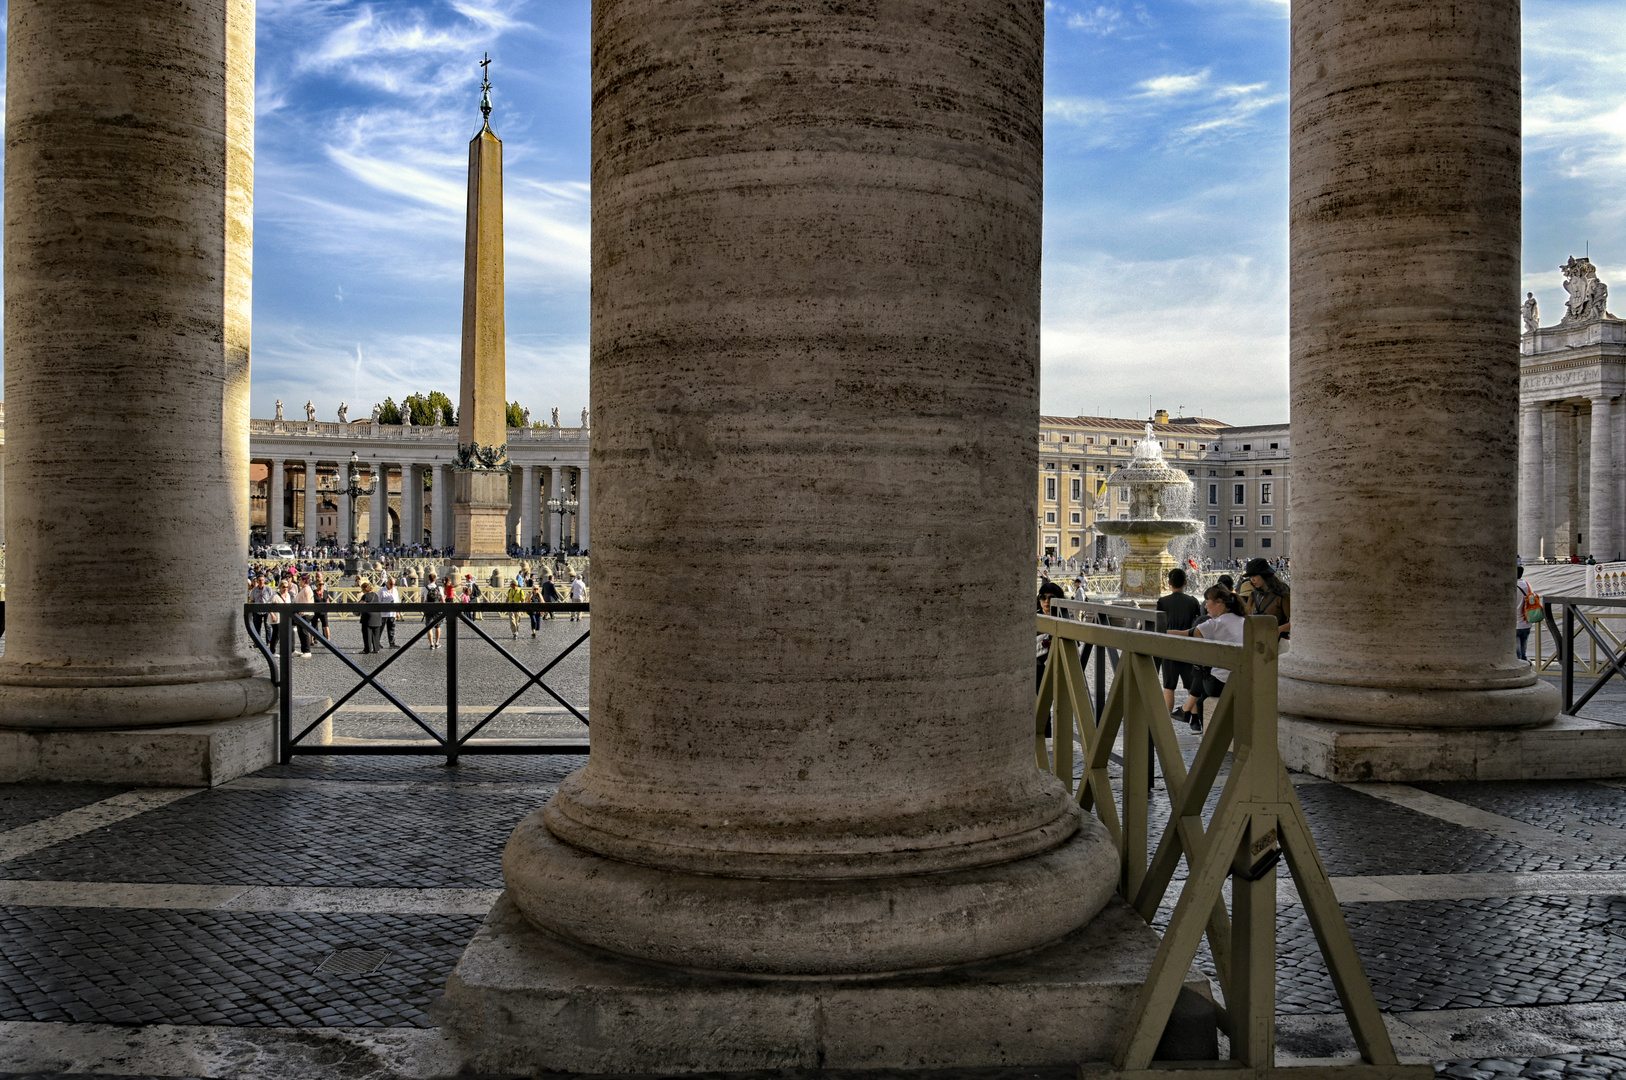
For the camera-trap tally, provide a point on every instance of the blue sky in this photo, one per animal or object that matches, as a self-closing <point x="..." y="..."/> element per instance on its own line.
<point x="1165" y="229"/>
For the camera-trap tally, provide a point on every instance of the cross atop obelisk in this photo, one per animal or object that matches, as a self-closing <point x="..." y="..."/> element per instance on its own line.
<point x="480" y="482"/>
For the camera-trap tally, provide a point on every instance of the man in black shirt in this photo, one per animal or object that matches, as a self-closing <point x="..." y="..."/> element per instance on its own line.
<point x="1183" y="611"/>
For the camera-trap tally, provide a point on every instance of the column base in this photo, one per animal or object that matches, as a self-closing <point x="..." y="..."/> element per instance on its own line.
<point x="57" y="708"/>
<point x="522" y="1001"/>
<point x="768" y="926"/>
<point x="1569" y="748"/>
<point x="183" y="755"/>
<point x="1530" y="705"/>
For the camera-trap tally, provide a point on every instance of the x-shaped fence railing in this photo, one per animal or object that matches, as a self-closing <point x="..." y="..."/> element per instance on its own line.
<point x="1613" y="658"/>
<point x="450" y="619"/>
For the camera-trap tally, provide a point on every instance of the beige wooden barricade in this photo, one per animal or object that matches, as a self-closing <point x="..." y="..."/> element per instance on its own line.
<point x="1258" y="820"/>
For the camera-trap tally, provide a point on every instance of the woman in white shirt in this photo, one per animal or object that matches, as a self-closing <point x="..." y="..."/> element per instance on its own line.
<point x="1224" y="624"/>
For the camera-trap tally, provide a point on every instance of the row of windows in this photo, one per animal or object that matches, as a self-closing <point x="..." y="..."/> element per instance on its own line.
<point x="1264" y="542"/>
<point x="1091" y="440"/>
<point x="1240" y="521"/>
<point x="1239" y="494"/>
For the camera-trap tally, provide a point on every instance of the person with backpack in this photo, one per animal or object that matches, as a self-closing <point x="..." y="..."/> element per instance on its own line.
<point x="1527" y="611"/>
<point x="432" y="594"/>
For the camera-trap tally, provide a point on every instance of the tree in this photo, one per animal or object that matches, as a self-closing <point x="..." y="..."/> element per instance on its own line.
<point x="389" y="412"/>
<point x="423" y="407"/>
<point x="516" y="415"/>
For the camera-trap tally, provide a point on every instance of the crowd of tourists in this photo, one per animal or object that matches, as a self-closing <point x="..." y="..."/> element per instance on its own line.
<point x="1217" y="617"/>
<point x="305" y="587"/>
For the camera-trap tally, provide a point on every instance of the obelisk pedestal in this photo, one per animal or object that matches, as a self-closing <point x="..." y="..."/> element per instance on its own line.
<point x="811" y="831"/>
<point x="480" y="496"/>
<point x="129" y="229"/>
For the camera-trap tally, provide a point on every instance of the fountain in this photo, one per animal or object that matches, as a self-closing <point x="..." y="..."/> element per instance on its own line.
<point x="1159" y="511"/>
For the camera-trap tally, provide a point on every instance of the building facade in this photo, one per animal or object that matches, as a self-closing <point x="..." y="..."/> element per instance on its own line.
<point x="1572" y="426"/>
<point x="1240" y="476"/>
<point x="300" y="484"/>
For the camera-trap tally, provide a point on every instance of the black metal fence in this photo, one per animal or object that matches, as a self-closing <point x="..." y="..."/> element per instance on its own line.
<point x="1609" y="659"/>
<point x="455" y="621"/>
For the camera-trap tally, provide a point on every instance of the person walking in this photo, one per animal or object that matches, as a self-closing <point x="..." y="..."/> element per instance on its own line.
<point x="259" y="593"/>
<point x="432" y="594"/>
<point x="390" y="595"/>
<point x="536" y="613"/>
<point x="319" y="595"/>
<point x="1521" y="623"/>
<point x="473" y="588"/>
<point x="578" y="595"/>
<point x="279" y="595"/>
<point x="303" y="595"/>
<point x="372" y="622"/>
<point x="550" y="595"/>
<point x="516" y="595"/>
<point x="1183" y="611"/>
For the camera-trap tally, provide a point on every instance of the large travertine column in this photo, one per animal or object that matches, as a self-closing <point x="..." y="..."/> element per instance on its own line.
<point x="378" y="507"/>
<point x="1603" y="540"/>
<point x="1532" y="492"/>
<point x="128" y="236"/>
<point x="311" y="503"/>
<point x="441" y="495"/>
<point x="584" y="516"/>
<point x="812" y="745"/>
<point x="1404" y="336"/>
<point x="1550" y="476"/>
<point x="274" y="480"/>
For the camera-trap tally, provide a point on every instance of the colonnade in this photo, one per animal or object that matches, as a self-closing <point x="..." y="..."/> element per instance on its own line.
<point x="530" y="523"/>
<point x="1572" y="478"/>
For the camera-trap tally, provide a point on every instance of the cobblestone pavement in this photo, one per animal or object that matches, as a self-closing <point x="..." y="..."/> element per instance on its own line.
<point x="302" y="921"/>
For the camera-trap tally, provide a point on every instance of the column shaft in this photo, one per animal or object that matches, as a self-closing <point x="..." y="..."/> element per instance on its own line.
<point x="584" y="515"/>
<point x="274" y="485"/>
<point x="1405" y="162"/>
<point x="311" y="506"/>
<point x="1551" y="476"/>
<point x="129" y="227"/>
<point x="441" y="496"/>
<point x="788" y="741"/>
<point x="1532" y="492"/>
<point x="1602" y="541"/>
<point x="529" y="501"/>
<point x="1565" y="504"/>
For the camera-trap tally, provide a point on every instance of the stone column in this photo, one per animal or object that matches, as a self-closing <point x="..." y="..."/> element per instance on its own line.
<point x="312" y="508"/>
<point x="553" y="519"/>
<point x="817" y="739"/>
<point x="583" y="515"/>
<point x="1405" y="161"/>
<point x="1550" y="477"/>
<point x="411" y="504"/>
<point x="378" y="506"/>
<point x="274" y="484"/>
<point x="1532" y="492"/>
<point x="441" y="500"/>
<point x="128" y="234"/>
<point x="1581" y="515"/>
<point x="529" y="503"/>
<point x="1566" y="465"/>
<point x="1603" y="541"/>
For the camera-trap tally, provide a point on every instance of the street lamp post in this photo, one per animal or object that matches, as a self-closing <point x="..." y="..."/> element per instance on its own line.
<point x="355" y="491"/>
<point x="564" y="504"/>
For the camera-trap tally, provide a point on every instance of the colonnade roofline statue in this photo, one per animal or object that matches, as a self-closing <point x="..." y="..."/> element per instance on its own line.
<point x="1588" y="297"/>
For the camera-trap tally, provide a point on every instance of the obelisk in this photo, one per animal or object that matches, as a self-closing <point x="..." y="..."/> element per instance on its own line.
<point x="480" y="478"/>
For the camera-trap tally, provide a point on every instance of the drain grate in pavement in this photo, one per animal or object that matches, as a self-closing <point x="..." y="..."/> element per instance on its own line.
<point x="353" y="961"/>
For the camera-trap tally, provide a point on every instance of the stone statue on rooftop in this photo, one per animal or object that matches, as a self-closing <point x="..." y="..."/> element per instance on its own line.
<point x="310" y="413"/>
<point x="344" y="413"/>
<point x="279" y="408"/>
<point x="1588" y="297"/>
<point x="406" y="414"/>
<point x="378" y="413"/>
<point x="584" y="418"/>
<point x="440" y="417"/>
<point x="556" y="416"/>
<point x="525" y="418"/>
<point x="1532" y="315"/>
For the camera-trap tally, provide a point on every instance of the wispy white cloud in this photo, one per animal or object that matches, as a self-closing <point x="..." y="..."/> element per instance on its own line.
<point x="1168" y="86"/>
